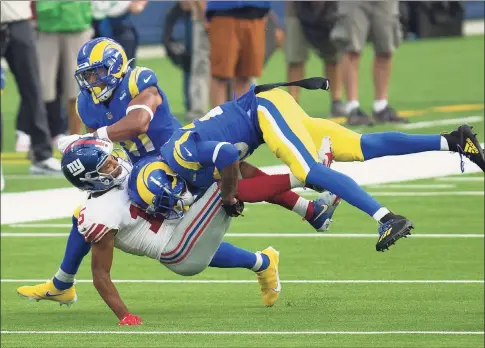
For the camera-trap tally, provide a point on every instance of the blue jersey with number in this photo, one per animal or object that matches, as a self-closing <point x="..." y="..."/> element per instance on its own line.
<point x="233" y="122"/>
<point x="95" y="114"/>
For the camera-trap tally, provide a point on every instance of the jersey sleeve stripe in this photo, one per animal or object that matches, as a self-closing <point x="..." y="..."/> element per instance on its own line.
<point x="100" y="235"/>
<point x="132" y="86"/>
<point x="216" y="151"/>
<point x="92" y="236"/>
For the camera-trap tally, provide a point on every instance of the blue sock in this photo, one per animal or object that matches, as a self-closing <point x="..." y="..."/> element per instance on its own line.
<point x="76" y="249"/>
<point x="395" y="143"/>
<point x="344" y="187"/>
<point x="230" y="256"/>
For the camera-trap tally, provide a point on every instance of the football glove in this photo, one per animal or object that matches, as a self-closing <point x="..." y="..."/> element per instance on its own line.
<point x="130" y="320"/>
<point x="235" y="209"/>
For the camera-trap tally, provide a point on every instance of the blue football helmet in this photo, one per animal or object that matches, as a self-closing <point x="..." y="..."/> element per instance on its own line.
<point x="157" y="189"/>
<point x="101" y="65"/>
<point x="84" y="158"/>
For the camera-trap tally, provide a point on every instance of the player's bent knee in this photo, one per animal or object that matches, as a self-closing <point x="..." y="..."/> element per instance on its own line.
<point x="187" y="269"/>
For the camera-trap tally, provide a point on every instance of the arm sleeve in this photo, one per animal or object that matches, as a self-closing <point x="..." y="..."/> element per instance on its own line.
<point x="220" y="154"/>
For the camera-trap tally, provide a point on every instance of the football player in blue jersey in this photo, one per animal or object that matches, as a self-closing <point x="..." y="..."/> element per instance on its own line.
<point x="210" y="149"/>
<point x="126" y="105"/>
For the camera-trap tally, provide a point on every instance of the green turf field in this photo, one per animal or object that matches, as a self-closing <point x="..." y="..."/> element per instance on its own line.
<point x="427" y="291"/>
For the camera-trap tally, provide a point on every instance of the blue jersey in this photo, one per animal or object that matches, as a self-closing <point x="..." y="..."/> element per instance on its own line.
<point x="95" y="114"/>
<point x="193" y="150"/>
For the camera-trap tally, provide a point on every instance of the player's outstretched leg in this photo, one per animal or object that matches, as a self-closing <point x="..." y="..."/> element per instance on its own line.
<point x="318" y="212"/>
<point x="392" y="228"/>
<point x="287" y="131"/>
<point x="461" y="140"/>
<point x="61" y="288"/>
<point x="264" y="263"/>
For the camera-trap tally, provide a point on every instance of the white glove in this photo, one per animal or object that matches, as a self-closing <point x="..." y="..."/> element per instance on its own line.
<point x="64" y="142"/>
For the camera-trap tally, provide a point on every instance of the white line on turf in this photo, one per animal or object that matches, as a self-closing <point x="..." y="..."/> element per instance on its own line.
<point x="425" y="124"/>
<point x="242" y="281"/>
<point x="413" y="186"/>
<point x="279" y="235"/>
<point x="247" y="333"/>
<point x="461" y="179"/>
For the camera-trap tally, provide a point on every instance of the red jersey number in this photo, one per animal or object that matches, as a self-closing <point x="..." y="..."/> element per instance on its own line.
<point x="155" y="223"/>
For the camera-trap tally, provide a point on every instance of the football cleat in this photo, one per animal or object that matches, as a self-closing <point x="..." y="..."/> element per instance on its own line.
<point x="47" y="291"/>
<point x="324" y="208"/>
<point x="269" y="279"/>
<point x="467" y="145"/>
<point x="393" y="230"/>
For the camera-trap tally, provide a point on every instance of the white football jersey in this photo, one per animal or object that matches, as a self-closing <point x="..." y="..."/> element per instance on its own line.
<point x="137" y="232"/>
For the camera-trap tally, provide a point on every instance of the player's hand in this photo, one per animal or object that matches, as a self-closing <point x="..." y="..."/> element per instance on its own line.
<point x="234" y="209"/>
<point x="64" y="142"/>
<point x="130" y="320"/>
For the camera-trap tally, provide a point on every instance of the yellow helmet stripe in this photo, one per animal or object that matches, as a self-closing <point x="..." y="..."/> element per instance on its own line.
<point x="97" y="51"/>
<point x="142" y="180"/>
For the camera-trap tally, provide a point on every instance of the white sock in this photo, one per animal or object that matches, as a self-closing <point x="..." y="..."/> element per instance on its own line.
<point x="294" y="182"/>
<point x="65" y="277"/>
<point x="380" y="214"/>
<point x="259" y="262"/>
<point x="351" y="105"/>
<point x="301" y="206"/>
<point x="444" y="144"/>
<point x="379" y="105"/>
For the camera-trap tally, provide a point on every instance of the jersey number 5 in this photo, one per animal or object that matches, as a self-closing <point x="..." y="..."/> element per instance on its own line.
<point x="155" y="223"/>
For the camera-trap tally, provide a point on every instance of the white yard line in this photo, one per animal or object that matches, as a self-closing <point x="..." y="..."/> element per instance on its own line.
<point x="239" y="333"/>
<point x="270" y="235"/>
<point x="413" y="186"/>
<point x="243" y="281"/>
<point x="448" y="121"/>
<point x="462" y="179"/>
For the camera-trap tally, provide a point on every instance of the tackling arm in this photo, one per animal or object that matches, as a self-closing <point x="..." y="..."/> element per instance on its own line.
<point x="139" y="114"/>
<point x="102" y="259"/>
<point x="225" y="157"/>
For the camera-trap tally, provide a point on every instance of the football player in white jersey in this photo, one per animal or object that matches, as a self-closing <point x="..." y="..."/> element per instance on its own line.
<point x="159" y="226"/>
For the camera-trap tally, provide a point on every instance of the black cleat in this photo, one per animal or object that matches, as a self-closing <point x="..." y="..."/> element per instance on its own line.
<point x="465" y="142"/>
<point x="393" y="230"/>
<point x="389" y="115"/>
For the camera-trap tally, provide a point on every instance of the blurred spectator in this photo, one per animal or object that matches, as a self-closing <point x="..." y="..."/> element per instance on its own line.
<point x="56" y="110"/>
<point x="2" y="85"/>
<point x="355" y="21"/>
<point x="19" y="48"/>
<point x="237" y="44"/>
<point x="308" y="25"/>
<point x="63" y="27"/>
<point x="198" y="77"/>
<point x="113" y="20"/>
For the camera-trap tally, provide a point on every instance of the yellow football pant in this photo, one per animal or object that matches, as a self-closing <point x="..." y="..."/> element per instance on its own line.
<point x="295" y="137"/>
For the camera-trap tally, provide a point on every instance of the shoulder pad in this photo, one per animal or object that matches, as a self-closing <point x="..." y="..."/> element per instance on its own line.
<point x="141" y="78"/>
<point x="186" y="146"/>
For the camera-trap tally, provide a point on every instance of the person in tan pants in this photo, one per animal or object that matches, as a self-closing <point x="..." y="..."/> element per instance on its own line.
<point x="237" y="45"/>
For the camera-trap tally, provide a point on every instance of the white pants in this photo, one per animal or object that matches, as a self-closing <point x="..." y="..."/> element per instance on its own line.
<point x="196" y="238"/>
